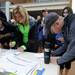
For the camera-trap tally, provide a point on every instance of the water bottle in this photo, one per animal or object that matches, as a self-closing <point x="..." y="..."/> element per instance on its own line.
<point x="47" y="53"/>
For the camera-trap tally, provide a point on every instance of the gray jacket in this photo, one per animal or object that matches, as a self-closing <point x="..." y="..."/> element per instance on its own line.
<point x="69" y="45"/>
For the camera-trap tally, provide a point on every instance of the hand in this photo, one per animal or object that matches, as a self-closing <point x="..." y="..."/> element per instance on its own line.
<point x="20" y="49"/>
<point x="4" y="35"/>
<point x="54" y="60"/>
<point x="61" y="39"/>
<point x="0" y="45"/>
<point x="12" y="44"/>
<point x="1" y="36"/>
<point x="7" y="34"/>
<point x="52" y="53"/>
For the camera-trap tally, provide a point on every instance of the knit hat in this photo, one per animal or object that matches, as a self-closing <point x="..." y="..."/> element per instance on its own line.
<point x="49" y="20"/>
<point x="2" y="16"/>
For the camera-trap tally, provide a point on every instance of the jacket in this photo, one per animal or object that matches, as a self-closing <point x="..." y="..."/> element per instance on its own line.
<point x="69" y="44"/>
<point x="9" y="33"/>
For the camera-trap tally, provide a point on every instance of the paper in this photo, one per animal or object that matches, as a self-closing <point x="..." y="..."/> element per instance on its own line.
<point x="39" y="55"/>
<point x="14" y="64"/>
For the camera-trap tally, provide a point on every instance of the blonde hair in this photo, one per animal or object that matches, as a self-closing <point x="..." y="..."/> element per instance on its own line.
<point x="22" y="11"/>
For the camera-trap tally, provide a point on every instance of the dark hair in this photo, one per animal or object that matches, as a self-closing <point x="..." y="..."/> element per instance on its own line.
<point x="45" y="10"/>
<point x="69" y="10"/>
<point x="2" y="16"/>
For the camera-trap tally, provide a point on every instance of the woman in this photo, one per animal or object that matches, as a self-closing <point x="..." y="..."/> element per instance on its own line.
<point x="21" y="16"/>
<point x="54" y="23"/>
<point x="67" y="11"/>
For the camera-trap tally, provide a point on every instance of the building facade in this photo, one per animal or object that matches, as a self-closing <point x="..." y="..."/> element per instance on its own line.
<point x="34" y="5"/>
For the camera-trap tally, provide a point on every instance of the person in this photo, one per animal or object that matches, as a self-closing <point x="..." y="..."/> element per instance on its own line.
<point x="55" y="40"/>
<point x="66" y="11"/>
<point x="35" y="36"/>
<point x="21" y="17"/>
<point x="32" y="45"/>
<point x="59" y="39"/>
<point x="7" y="33"/>
<point x="44" y="13"/>
<point x="55" y="22"/>
<point x="32" y="21"/>
<point x="39" y="34"/>
<point x="12" y="21"/>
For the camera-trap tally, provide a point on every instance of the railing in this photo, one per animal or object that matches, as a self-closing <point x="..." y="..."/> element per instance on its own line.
<point x="52" y="4"/>
<point x="40" y="6"/>
<point x="42" y="1"/>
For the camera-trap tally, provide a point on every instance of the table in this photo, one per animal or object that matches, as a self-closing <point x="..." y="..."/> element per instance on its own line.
<point x="50" y="69"/>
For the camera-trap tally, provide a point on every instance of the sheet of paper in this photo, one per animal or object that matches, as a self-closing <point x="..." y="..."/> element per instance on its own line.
<point x="12" y="63"/>
<point x="39" y="55"/>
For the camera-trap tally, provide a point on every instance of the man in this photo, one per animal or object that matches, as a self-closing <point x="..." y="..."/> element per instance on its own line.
<point x="44" y="14"/>
<point x="54" y="24"/>
<point x="8" y="33"/>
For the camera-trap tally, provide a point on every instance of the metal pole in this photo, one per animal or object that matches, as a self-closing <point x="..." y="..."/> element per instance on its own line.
<point x="7" y="12"/>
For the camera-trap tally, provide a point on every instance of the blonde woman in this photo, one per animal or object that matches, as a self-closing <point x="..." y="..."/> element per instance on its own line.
<point x="21" y="16"/>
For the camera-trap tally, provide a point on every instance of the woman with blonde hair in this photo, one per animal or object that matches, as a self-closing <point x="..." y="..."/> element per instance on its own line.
<point x="21" y="16"/>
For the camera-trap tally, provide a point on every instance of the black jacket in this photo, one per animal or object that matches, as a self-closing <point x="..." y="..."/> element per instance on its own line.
<point x="9" y="33"/>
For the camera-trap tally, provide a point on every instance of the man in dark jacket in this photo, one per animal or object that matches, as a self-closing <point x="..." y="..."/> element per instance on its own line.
<point x="9" y="36"/>
<point x="55" y="23"/>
